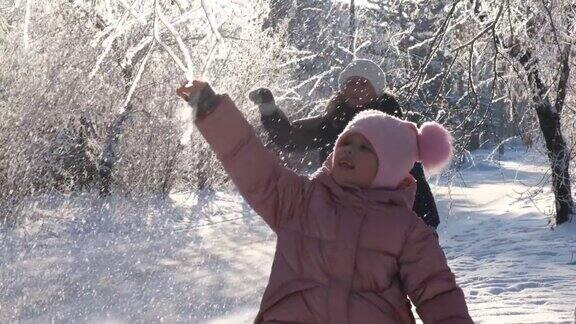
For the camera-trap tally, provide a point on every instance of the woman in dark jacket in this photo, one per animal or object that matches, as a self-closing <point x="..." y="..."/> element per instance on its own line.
<point x="361" y="88"/>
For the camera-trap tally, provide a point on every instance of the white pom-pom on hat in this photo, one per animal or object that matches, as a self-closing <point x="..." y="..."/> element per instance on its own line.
<point x="434" y="147"/>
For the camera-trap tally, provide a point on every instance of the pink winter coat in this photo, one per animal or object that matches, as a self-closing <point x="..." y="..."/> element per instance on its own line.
<point x="342" y="255"/>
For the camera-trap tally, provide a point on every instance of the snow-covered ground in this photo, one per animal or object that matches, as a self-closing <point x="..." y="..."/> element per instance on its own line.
<point x="205" y="258"/>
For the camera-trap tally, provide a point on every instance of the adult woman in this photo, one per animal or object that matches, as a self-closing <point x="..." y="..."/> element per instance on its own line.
<point x="362" y="85"/>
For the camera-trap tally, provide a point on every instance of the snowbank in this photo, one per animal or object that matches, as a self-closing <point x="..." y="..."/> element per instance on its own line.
<point x="205" y="257"/>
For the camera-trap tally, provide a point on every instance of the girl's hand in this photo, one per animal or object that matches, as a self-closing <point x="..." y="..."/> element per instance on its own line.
<point x="199" y="96"/>
<point x="192" y="93"/>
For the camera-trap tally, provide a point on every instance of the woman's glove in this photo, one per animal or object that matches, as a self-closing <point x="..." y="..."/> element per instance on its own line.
<point x="200" y="97"/>
<point x="264" y="99"/>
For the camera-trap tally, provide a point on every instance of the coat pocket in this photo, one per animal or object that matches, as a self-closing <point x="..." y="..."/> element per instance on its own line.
<point x="389" y="304"/>
<point x="288" y="304"/>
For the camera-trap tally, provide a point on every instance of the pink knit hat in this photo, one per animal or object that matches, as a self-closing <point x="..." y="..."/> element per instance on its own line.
<point x="399" y="144"/>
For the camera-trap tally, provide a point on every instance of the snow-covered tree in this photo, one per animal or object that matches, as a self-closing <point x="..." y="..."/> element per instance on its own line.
<point x="90" y="98"/>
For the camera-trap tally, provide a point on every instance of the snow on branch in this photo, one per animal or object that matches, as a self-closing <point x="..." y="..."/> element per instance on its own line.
<point x="317" y="78"/>
<point x="187" y="68"/>
<point x="210" y="56"/>
<point x="298" y="60"/>
<point x="138" y="75"/>
<point x="361" y="46"/>
<point x="320" y="77"/>
<point x="488" y="28"/>
<point x="210" y="22"/>
<point x="101" y="34"/>
<point x="174" y="57"/>
<point x="108" y="44"/>
<point x="26" y="24"/>
<point x="437" y="39"/>
<point x="133" y="54"/>
<point x="345" y="50"/>
<point x="133" y="12"/>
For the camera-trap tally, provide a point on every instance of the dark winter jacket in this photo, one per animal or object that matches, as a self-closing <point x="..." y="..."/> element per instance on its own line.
<point x="321" y="132"/>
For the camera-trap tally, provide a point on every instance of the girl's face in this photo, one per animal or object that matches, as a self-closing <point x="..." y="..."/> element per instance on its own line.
<point x="358" y="91"/>
<point x="355" y="162"/>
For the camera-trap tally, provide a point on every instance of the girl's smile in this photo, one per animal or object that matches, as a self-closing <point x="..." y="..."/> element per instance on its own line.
<point x="355" y="162"/>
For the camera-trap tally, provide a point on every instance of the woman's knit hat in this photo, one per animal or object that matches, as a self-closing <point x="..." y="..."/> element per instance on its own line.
<point x="366" y="69"/>
<point x="399" y="144"/>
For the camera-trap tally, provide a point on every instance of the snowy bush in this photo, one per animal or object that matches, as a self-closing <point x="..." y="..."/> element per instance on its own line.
<point x="87" y="88"/>
<point x="81" y="69"/>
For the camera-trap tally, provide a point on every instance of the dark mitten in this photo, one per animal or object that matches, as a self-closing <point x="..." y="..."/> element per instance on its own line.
<point x="204" y="102"/>
<point x="264" y="99"/>
<point x="261" y="95"/>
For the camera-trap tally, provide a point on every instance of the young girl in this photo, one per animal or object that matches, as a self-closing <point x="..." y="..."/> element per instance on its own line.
<point x="349" y="248"/>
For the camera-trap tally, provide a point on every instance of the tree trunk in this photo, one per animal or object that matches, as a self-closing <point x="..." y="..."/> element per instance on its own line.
<point x="110" y="152"/>
<point x="551" y="127"/>
<point x="352" y="27"/>
<point x="559" y="158"/>
<point x="548" y="119"/>
<point x="501" y="136"/>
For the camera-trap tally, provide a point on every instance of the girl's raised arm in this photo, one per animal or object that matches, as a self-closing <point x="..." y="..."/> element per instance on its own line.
<point x="272" y="190"/>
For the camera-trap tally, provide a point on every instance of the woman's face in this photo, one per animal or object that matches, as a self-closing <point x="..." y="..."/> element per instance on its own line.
<point x="355" y="162"/>
<point x="358" y="91"/>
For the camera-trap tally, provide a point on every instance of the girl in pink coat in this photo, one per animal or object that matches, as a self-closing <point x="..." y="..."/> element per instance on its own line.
<point x="349" y="247"/>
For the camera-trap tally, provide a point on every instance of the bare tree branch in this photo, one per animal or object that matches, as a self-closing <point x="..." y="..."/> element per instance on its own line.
<point x="130" y="9"/>
<point x="187" y="69"/>
<point x="209" y="18"/>
<point x="564" y="76"/>
<point x="26" y="24"/>
<point x="436" y="42"/>
<point x="488" y="28"/>
<point x="554" y="31"/>
<point x="136" y="80"/>
<point x="108" y="45"/>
